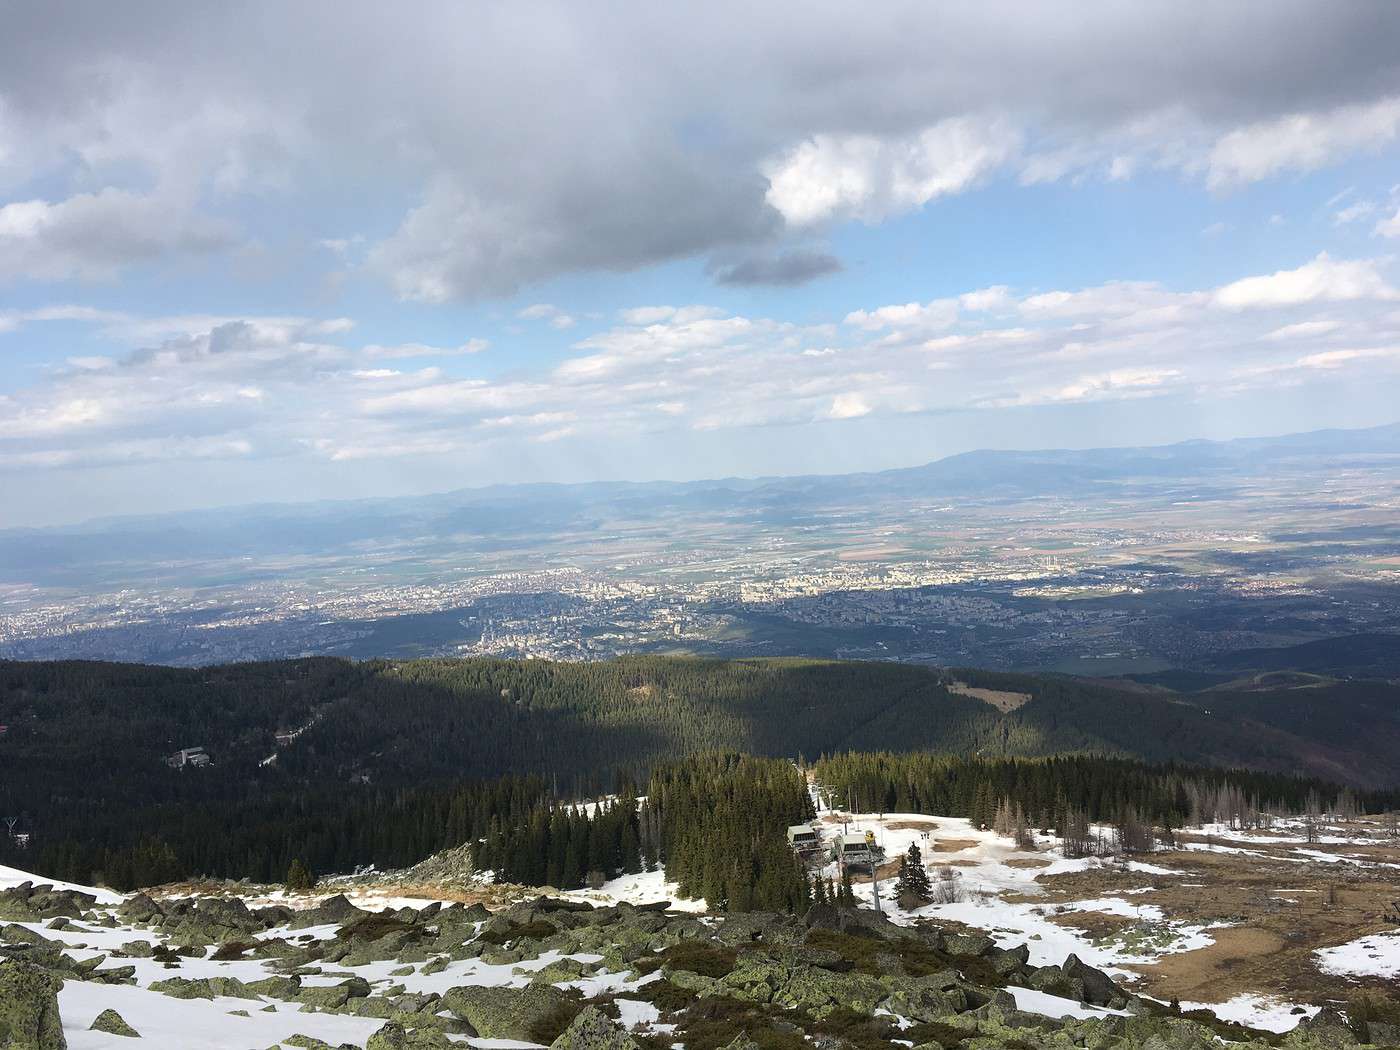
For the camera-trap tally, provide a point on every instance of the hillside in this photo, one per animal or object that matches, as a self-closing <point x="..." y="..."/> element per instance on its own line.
<point x="352" y="762"/>
<point x="406" y="722"/>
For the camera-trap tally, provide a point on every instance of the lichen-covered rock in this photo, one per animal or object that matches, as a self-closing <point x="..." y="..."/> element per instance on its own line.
<point x="503" y="1013"/>
<point x="277" y="987"/>
<point x="559" y="970"/>
<point x="1325" y="1030"/>
<point x="323" y="997"/>
<point x="29" y="1008"/>
<point x="113" y="1023"/>
<point x="394" y="1036"/>
<point x="967" y="944"/>
<point x="818" y="991"/>
<point x="184" y="988"/>
<point x="592" y="1030"/>
<point x="1162" y="1033"/>
<point x="926" y="999"/>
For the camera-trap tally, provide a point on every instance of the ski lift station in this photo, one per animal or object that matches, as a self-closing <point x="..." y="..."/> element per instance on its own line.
<point x="858" y="849"/>
<point x="804" y="838"/>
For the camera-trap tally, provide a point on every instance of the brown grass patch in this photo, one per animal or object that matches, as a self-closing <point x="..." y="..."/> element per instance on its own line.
<point x="953" y="845"/>
<point x="1001" y="699"/>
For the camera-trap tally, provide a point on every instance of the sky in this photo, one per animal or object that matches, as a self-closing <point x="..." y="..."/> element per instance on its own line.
<point x="284" y="251"/>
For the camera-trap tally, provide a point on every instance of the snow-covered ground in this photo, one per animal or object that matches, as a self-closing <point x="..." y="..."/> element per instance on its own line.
<point x="645" y="888"/>
<point x="990" y="868"/>
<point x="1375" y="956"/>
<point x="1257" y="1011"/>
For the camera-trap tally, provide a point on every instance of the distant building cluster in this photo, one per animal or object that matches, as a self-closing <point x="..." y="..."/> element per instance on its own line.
<point x="189" y="756"/>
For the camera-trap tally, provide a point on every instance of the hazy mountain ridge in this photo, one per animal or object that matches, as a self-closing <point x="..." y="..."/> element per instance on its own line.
<point x="325" y="524"/>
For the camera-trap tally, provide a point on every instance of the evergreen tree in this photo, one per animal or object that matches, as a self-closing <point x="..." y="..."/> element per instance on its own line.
<point x="299" y="877"/>
<point x="913" y="884"/>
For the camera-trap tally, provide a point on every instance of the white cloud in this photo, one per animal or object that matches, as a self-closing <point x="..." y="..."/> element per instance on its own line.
<point x="1389" y="227"/>
<point x="1133" y="380"/>
<point x="1304" y="330"/>
<point x="997" y="297"/>
<point x="1301" y="141"/>
<point x="871" y="178"/>
<point x="849" y="406"/>
<point x="556" y="317"/>
<point x="287" y="387"/>
<point x="403" y="350"/>
<point x="1323" y="279"/>
<point x="940" y="313"/>
<point x="1353" y="212"/>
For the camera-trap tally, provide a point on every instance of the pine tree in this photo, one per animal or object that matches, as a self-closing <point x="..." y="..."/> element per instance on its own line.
<point x="913" y="885"/>
<point x="299" y="877"/>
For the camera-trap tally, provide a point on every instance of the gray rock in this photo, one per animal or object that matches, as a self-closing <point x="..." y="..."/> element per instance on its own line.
<point x="1099" y="988"/>
<point x="113" y="1023"/>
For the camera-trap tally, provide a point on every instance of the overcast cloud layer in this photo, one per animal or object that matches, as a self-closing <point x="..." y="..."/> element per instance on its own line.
<point x="452" y="157"/>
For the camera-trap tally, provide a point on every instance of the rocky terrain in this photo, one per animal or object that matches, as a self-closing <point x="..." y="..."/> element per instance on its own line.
<point x="84" y="969"/>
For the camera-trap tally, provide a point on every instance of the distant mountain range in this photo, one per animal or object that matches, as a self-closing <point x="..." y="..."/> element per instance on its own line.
<point x="501" y="511"/>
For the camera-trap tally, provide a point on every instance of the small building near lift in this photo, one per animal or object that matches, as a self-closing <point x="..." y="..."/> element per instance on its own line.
<point x="857" y="850"/>
<point x="804" y="838"/>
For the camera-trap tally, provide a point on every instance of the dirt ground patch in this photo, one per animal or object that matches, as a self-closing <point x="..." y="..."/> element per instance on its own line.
<point x="952" y="845"/>
<point x="1026" y="862"/>
<point x="1096" y="924"/>
<point x="887" y="870"/>
<point x="910" y="825"/>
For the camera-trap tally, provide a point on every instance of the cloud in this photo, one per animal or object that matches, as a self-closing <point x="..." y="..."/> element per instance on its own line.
<point x="1323" y="279"/>
<point x="870" y="178"/>
<point x="498" y="148"/>
<point x="1389" y="227"/>
<point x="94" y="236"/>
<point x="1353" y="212"/>
<point x="556" y="317"/>
<point x="797" y="266"/>
<point x="940" y="313"/>
<point x="402" y="350"/>
<point x="1305" y="330"/>
<point x="1301" y="141"/>
<point x="294" y="389"/>
<point x="849" y="406"/>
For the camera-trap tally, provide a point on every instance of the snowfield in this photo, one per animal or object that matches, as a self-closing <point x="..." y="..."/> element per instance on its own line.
<point x="1375" y="956"/>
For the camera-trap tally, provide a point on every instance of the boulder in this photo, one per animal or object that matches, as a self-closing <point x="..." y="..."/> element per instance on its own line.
<point x="503" y="1013"/>
<point x="593" y="1030"/>
<point x="113" y="1023"/>
<point x="29" y="1008"/>
<point x="184" y="988"/>
<point x="968" y="944"/>
<point x="139" y="908"/>
<point x="1325" y="1030"/>
<point x="1099" y="988"/>
<point x="393" y="1036"/>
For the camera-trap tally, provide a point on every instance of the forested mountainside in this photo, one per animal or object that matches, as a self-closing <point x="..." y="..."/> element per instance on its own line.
<point x="97" y="726"/>
<point x="347" y="763"/>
